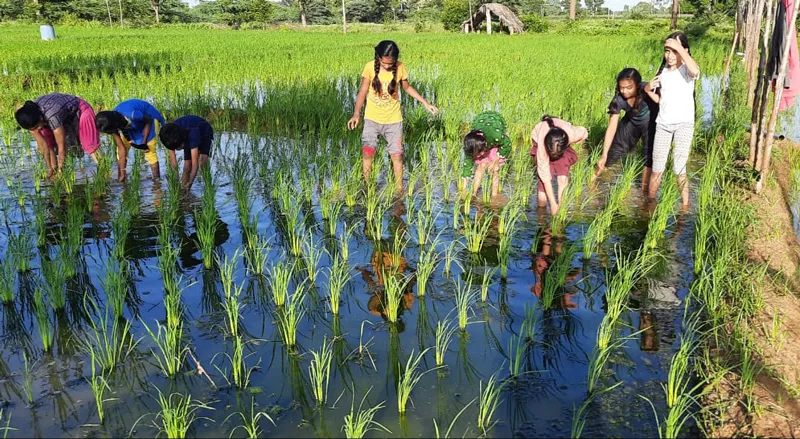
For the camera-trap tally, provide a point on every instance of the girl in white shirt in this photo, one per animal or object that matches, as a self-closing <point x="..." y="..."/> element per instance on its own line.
<point x="673" y="90"/>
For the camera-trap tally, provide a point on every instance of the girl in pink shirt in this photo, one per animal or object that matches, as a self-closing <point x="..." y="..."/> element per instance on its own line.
<point x="555" y="156"/>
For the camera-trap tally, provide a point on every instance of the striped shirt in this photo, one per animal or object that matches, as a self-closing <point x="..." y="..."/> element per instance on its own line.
<point x="59" y="109"/>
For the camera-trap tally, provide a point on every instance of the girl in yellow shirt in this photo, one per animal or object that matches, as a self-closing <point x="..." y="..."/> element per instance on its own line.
<point x="383" y="117"/>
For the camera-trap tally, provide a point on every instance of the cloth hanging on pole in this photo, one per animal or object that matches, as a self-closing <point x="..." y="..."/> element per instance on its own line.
<point x="791" y="84"/>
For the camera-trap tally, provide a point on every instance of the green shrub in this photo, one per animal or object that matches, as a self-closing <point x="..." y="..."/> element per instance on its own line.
<point x="535" y="23"/>
<point x="454" y="12"/>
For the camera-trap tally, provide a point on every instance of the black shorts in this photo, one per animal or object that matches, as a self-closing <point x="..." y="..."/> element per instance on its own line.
<point x="203" y="148"/>
<point x="627" y="137"/>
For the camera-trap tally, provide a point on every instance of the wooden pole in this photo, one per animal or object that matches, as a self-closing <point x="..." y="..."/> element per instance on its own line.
<point x="488" y="21"/>
<point x="758" y="117"/>
<point x="676" y="7"/>
<point x="776" y="102"/>
<point x="751" y="47"/>
<point x="344" y="18"/>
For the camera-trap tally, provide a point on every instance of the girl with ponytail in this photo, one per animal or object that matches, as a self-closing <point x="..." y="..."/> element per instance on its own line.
<point x="673" y="90"/>
<point x="380" y="79"/>
<point x="551" y="140"/>
<point x="58" y="121"/>
<point x="485" y="149"/>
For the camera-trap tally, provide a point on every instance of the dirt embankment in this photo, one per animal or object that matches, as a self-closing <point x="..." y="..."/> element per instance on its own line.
<point x="776" y="330"/>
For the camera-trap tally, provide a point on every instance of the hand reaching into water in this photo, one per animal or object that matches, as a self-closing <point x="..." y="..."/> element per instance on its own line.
<point x="353" y="122"/>
<point x="432" y="109"/>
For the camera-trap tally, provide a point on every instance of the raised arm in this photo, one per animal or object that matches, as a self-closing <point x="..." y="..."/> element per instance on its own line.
<point x="686" y="57"/>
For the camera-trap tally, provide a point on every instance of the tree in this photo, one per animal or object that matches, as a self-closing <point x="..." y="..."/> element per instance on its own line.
<point x="260" y="11"/>
<point x="572" y="6"/>
<point x="673" y="24"/>
<point x="454" y="12"/>
<point x="594" y="6"/>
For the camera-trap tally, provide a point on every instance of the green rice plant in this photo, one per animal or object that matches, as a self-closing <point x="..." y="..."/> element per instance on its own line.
<point x="429" y="197"/>
<point x="464" y="297"/>
<point x="452" y="423"/>
<point x="67" y="176"/>
<point x="74" y="226"/>
<point x="109" y="341"/>
<point x="250" y="422"/>
<point x="444" y="336"/>
<point x="232" y="305"/>
<point x="394" y="286"/>
<point x="20" y="246"/>
<point x="338" y="276"/>
<point x="426" y="266"/>
<point x="8" y="278"/>
<point x="334" y="216"/>
<point x="359" y="422"/>
<point x="290" y="316"/>
<point x="40" y="220"/>
<point x="43" y="320"/>
<point x="115" y="285"/>
<point x="256" y="251"/>
<point x="517" y="349"/>
<point x="171" y="352"/>
<point x="488" y="402"/>
<point x="664" y="211"/>
<point x="555" y="277"/>
<point x="319" y="371"/>
<point x="294" y="228"/>
<point x="580" y="174"/>
<point x="54" y="288"/>
<point x="450" y="256"/>
<point x="178" y="413"/>
<point x="206" y="222"/>
<point x="486" y="281"/>
<point x="172" y="302"/>
<point x="376" y="204"/>
<point x="425" y="225"/>
<point x="312" y="255"/>
<point x="99" y="386"/>
<point x="120" y="227"/>
<point x="27" y="378"/>
<point x="279" y="277"/>
<point x="475" y="232"/>
<point x="457" y="215"/>
<point x="409" y="378"/>
<point x="509" y="217"/>
<point x="399" y="245"/>
<point x="504" y="254"/>
<point x="344" y="240"/>
<point x="240" y="373"/>
<point x="8" y="427"/>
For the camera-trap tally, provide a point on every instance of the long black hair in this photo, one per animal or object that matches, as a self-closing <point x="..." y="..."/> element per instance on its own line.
<point x="633" y="75"/>
<point x="29" y="115"/>
<point x="556" y="141"/>
<point x="386" y="48"/>
<point x="475" y="144"/>
<point x="684" y="40"/>
<point x="110" y="122"/>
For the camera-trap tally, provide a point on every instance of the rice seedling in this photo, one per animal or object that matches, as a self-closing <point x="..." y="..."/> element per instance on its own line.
<point x="450" y="256"/>
<point x="232" y="305"/>
<point x="426" y="266"/>
<point x="294" y="228"/>
<point x="517" y="350"/>
<point x="99" y="386"/>
<point x="27" y="378"/>
<point x="344" y="242"/>
<point x="240" y="372"/>
<point x="319" y="371"/>
<point x="54" y="288"/>
<point x="334" y="216"/>
<point x="409" y="379"/>
<point x="359" y="422"/>
<point x="464" y="297"/>
<point x="115" y="285"/>
<point x="20" y="245"/>
<point x="74" y="226"/>
<point x="555" y="277"/>
<point x="8" y="278"/>
<point x="40" y="220"/>
<point x="290" y="316"/>
<point x="664" y="211"/>
<point x="250" y="423"/>
<point x="425" y="226"/>
<point x="312" y="255"/>
<point x="8" y="427"/>
<point x="475" y="232"/>
<point x="508" y="218"/>
<point x="338" y="276"/>
<point x="43" y="320"/>
<point x="394" y="286"/>
<point x="67" y="176"/>
<point x="444" y="336"/>
<point x="171" y="353"/>
<point x="178" y="413"/>
<point x="399" y="245"/>
<point x="486" y="281"/>
<point x="452" y="423"/>
<point x="279" y="277"/>
<point x="580" y="174"/>
<point x="256" y="252"/>
<point x="109" y="341"/>
<point x="120" y="226"/>
<point x="488" y="402"/>
<point x="206" y="222"/>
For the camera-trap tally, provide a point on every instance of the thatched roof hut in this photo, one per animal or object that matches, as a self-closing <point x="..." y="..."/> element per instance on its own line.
<point x="486" y="12"/>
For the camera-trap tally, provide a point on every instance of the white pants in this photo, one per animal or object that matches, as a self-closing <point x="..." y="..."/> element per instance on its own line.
<point x="681" y="134"/>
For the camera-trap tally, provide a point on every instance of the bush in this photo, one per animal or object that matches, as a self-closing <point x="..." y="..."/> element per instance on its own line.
<point x="535" y="23"/>
<point x="454" y="12"/>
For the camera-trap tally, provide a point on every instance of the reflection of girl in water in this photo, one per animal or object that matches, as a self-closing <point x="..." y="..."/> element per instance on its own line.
<point x="542" y="261"/>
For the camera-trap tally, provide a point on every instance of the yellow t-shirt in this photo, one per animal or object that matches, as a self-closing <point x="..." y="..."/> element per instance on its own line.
<point x="384" y="109"/>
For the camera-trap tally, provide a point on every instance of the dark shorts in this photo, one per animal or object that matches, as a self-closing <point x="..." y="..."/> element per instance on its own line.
<point x="561" y="166"/>
<point x="627" y="137"/>
<point x="203" y="148"/>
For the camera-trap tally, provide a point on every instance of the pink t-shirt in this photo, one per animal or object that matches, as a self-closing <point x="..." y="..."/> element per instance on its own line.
<point x="576" y="134"/>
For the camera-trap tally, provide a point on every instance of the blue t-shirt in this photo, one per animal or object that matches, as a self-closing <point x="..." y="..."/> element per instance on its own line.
<point x="139" y="113"/>
<point x="199" y="133"/>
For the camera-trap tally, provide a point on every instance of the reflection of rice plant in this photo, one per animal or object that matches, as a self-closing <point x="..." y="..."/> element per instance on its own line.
<point x="279" y="277"/>
<point x="555" y="277"/>
<point x="20" y="245"/>
<point x="250" y="423"/>
<point x="358" y="423"/>
<point x="475" y="232"/>
<point x="108" y="342"/>
<point x="120" y="226"/>
<point x="488" y="402"/>
<point x="394" y="287"/>
<point x="171" y="354"/>
<point x="409" y="378"/>
<point x="464" y="298"/>
<point x="319" y="371"/>
<point x="338" y="276"/>
<point x="27" y="378"/>
<point x="43" y="320"/>
<point x="444" y="335"/>
<point x="426" y="265"/>
<point x="290" y="316"/>
<point x="8" y="278"/>
<point x="54" y="279"/>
